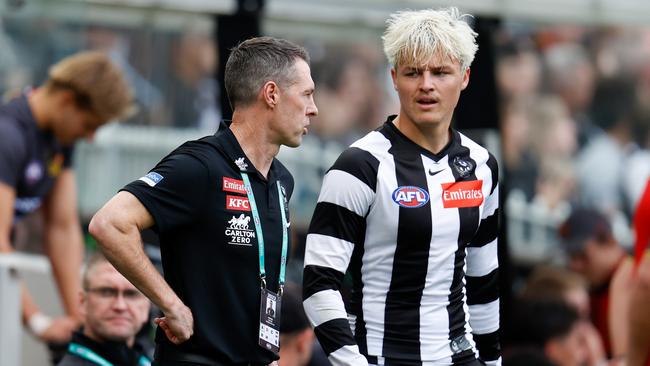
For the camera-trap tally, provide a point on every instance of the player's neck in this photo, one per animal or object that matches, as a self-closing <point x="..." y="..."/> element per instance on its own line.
<point x="254" y="141"/>
<point x="38" y="105"/>
<point x="433" y="137"/>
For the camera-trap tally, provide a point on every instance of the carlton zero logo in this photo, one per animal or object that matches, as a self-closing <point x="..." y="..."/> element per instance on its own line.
<point x="410" y="196"/>
<point x="462" y="194"/>
<point x="239" y="231"/>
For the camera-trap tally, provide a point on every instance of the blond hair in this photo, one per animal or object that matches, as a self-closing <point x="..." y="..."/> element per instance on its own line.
<point x="415" y="37"/>
<point x="99" y="85"/>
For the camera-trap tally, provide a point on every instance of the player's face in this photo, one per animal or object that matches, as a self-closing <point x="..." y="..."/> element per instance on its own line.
<point x="429" y="93"/>
<point x="73" y="123"/>
<point x="295" y="106"/>
<point x="113" y="308"/>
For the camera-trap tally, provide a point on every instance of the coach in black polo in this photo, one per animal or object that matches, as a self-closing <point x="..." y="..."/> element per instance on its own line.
<point x="221" y="243"/>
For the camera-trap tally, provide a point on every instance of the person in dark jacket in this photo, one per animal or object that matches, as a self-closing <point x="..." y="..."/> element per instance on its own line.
<point x="114" y="311"/>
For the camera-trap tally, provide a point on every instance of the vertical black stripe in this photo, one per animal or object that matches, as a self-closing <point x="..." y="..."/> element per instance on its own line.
<point x="469" y="220"/>
<point x="410" y="263"/>
<point x="494" y="169"/>
<point x="356" y="298"/>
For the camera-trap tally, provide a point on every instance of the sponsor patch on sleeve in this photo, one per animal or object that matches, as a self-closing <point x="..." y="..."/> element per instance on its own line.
<point x="152" y="179"/>
<point x="462" y="194"/>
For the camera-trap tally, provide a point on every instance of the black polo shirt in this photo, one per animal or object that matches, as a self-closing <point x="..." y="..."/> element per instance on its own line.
<point x="30" y="158"/>
<point x="209" y="245"/>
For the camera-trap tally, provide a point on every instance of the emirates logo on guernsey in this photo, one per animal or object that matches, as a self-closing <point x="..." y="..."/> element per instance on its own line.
<point x="462" y="194"/>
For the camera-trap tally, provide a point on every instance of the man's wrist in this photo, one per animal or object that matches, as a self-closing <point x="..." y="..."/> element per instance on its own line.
<point x="38" y="323"/>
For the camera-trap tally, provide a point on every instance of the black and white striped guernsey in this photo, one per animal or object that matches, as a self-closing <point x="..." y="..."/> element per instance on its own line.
<point x="417" y="234"/>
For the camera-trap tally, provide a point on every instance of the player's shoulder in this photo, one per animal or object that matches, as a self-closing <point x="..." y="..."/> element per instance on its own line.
<point x="478" y="151"/>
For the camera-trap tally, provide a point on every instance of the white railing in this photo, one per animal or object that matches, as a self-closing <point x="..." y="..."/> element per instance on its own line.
<point x="11" y="265"/>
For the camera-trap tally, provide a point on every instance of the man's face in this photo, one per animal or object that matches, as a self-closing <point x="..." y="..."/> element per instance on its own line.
<point x="113" y="309"/>
<point x="295" y="106"/>
<point x="592" y="262"/>
<point x="567" y="350"/>
<point x="71" y="122"/>
<point x="429" y="93"/>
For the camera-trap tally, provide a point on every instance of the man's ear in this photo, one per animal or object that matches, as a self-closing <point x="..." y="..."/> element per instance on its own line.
<point x="271" y="94"/>
<point x="393" y="75"/>
<point x="465" y="79"/>
<point x="83" y="299"/>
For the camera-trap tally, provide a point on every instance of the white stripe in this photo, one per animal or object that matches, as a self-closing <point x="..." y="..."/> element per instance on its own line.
<point x="491" y="203"/>
<point x="482" y="260"/>
<point x="347" y="356"/>
<point x="347" y="191"/>
<point x="327" y="251"/>
<point x="378" y="256"/>
<point x="484" y="318"/>
<point x="324" y="306"/>
<point x="434" y="318"/>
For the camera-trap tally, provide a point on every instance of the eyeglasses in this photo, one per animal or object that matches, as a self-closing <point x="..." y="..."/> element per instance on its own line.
<point x="111" y="293"/>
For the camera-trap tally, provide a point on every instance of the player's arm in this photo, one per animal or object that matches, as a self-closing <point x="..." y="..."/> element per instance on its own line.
<point x="116" y="227"/>
<point x="337" y="226"/>
<point x="64" y="240"/>
<point x="482" y="277"/>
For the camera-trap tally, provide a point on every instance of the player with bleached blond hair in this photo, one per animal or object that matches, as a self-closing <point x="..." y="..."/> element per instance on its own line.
<point x="410" y="212"/>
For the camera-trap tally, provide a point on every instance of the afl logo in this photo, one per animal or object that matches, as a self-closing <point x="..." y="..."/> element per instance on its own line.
<point x="410" y="196"/>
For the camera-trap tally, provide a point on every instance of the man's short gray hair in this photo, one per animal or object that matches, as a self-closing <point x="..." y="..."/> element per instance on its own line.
<point x="415" y="37"/>
<point x="257" y="61"/>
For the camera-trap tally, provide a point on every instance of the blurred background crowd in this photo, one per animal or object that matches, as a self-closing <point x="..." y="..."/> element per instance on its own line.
<point x="563" y="103"/>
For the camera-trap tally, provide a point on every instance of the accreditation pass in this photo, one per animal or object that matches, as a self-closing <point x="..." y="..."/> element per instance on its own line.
<point x="269" y="337"/>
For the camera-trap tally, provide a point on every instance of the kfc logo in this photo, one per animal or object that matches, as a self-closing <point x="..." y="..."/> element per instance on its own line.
<point x="237" y="203"/>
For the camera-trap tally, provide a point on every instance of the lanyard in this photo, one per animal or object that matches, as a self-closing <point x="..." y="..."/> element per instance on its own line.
<point x="88" y="354"/>
<point x="260" y="235"/>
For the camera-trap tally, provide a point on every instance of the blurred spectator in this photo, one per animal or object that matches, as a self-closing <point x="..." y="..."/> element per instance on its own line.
<point x="298" y="345"/>
<point x="560" y="285"/>
<point x="572" y="77"/>
<point x="118" y="47"/>
<point x="551" y="327"/>
<point x="519" y="162"/>
<point x="556" y="184"/>
<point x="193" y="95"/>
<point x="526" y="356"/>
<point x="37" y="133"/>
<point x="599" y="164"/>
<point x="553" y="133"/>
<point x="113" y="312"/>
<point x="639" y="334"/>
<point x="518" y="69"/>
<point x="594" y="252"/>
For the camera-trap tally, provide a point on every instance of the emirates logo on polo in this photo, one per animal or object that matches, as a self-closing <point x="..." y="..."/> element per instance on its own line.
<point x="462" y="194"/>
<point x="233" y="185"/>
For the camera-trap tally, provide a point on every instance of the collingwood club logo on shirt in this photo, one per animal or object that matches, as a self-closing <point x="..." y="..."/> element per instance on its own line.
<point x="463" y="166"/>
<point x="241" y="164"/>
<point x="239" y="231"/>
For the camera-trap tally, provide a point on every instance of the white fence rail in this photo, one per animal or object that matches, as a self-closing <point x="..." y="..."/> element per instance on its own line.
<point x="11" y="266"/>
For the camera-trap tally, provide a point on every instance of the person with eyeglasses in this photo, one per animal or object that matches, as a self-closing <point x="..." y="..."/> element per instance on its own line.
<point x="113" y="313"/>
<point x="38" y="129"/>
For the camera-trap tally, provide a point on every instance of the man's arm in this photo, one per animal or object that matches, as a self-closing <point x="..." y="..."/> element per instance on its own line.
<point x="337" y="226"/>
<point x="48" y="330"/>
<point x="639" y="317"/>
<point x="64" y="240"/>
<point x="116" y="227"/>
<point x="482" y="277"/>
